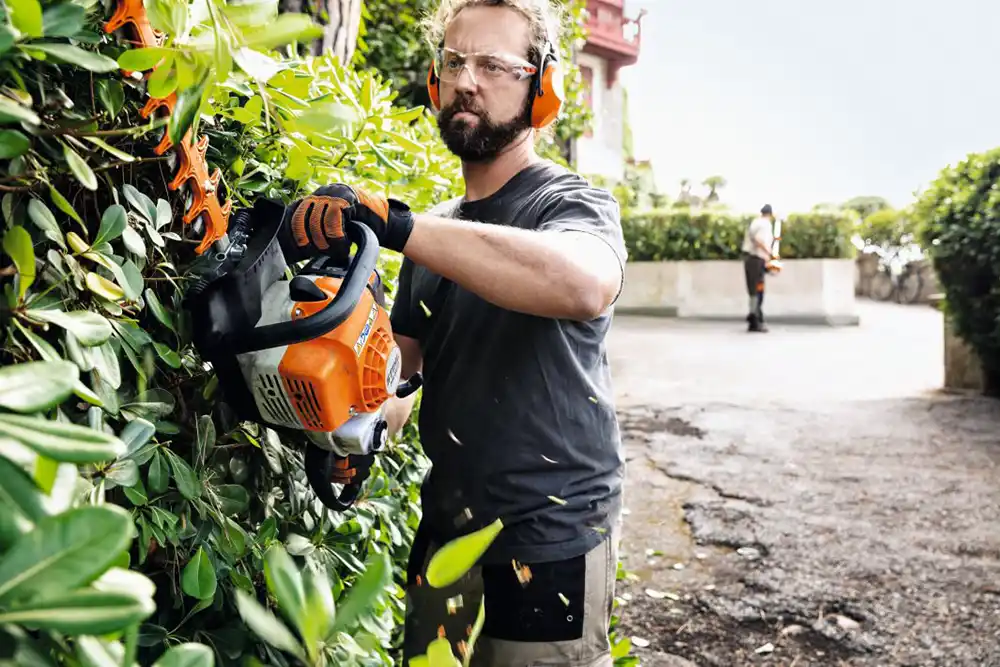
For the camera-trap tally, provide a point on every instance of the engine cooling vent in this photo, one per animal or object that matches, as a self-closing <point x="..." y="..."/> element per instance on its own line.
<point x="273" y="400"/>
<point x="304" y="396"/>
<point x="373" y="369"/>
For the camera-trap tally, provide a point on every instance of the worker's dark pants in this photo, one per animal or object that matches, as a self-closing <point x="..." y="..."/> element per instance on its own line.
<point x="755" y="269"/>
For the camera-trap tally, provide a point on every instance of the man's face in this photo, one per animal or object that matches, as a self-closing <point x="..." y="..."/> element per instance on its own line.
<point x="486" y="106"/>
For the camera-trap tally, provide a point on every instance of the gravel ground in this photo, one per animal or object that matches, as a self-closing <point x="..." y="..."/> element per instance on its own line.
<point x="806" y="497"/>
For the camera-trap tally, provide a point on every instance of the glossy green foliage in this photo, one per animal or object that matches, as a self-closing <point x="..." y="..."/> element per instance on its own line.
<point x="959" y="216"/>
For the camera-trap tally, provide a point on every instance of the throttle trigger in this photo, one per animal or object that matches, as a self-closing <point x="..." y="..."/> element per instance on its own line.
<point x="301" y="289"/>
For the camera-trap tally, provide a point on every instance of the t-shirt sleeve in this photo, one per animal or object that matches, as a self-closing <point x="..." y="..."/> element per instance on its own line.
<point x="590" y="210"/>
<point x="401" y="317"/>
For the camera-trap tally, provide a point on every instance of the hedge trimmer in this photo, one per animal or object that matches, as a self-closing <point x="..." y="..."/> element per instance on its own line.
<point x="204" y="212"/>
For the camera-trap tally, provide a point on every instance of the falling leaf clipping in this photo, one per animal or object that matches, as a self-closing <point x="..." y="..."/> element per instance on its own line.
<point x="557" y="500"/>
<point x="564" y="599"/>
<point x="427" y="311"/>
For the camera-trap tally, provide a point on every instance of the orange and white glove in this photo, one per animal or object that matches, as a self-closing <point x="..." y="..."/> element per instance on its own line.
<point x="314" y="225"/>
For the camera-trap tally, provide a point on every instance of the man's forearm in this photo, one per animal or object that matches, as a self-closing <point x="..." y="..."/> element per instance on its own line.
<point x="538" y="273"/>
<point x="397" y="412"/>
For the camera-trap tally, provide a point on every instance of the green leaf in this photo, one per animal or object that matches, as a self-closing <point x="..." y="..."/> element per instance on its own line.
<point x="113" y="223"/>
<point x="133" y="242"/>
<point x="12" y="144"/>
<point x="26" y="15"/>
<point x="322" y="118"/>
<point x="7" y="39"/>
<point x="285" y="583"/>
<point x="17" y="244"/>
<point x="136" y="434"/>
<point x="21" y="502"/>
<point x="198" y="578"/>
<point x="187" y="481"/>
<point x="457" y="557"/>
<point x="252" y="13"/>
<point x="186" y="109"/>
<point x="159" y="311"/>
<point x="159" y="474"/>
<point x="142" y="59"/>
<point x="45" y="221"/>
<point x="163" y="81"/>
<point x="111" y="94"/>
<point x="266" y="626"/>
<point x="64" y="552"/>
<point x="124" y="472"/>
<point x="90" y="328"/>
<point x="187" y="655"/>
<point x="74" y="55"/>
<point x="36" y="386"/>
<point x="61" y="441"/>
<point x="63" y="20"/>
<point x="117" y="152"/>
<point x="10" y="110"/>
<point x="63" y="204"/>
<point x="365" y="591"/>
<point x="169" y="357"/>
<point x="104" y="288"/>
<point x="80" y="168"/>
<point x="319" y="611"/>
<point x="85" y="612"/>
<point x="284" y="29"/>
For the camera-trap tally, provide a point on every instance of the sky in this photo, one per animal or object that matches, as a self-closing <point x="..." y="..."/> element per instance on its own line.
<point x="801" y="102"/>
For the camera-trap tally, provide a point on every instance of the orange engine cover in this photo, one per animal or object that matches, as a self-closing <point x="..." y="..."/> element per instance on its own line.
<point x="350" y="370"/>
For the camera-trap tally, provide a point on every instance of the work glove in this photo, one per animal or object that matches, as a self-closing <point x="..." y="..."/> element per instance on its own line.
<point x="314" y="225"/>
<point x="353" y="469"/>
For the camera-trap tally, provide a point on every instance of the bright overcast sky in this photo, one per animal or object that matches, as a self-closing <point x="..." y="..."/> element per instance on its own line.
<point x="797" y="102"/>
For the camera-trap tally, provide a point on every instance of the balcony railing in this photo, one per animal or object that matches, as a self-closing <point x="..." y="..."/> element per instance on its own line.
<point x="610" y="34"/>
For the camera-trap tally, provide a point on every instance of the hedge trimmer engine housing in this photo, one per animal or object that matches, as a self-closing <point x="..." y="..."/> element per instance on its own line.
<point x="312" y="356"/>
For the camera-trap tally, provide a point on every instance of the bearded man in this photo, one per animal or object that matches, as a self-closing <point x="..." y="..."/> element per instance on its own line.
<point x="504" y="301"/>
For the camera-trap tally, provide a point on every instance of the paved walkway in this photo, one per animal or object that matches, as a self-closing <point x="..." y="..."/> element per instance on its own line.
<point x="806" y="497"/>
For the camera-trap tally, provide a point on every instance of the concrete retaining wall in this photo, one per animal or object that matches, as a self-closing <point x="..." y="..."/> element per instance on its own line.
<point x="809" y="291"/>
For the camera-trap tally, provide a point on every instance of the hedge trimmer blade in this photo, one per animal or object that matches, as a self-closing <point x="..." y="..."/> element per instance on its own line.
<point x="192" y="169"/>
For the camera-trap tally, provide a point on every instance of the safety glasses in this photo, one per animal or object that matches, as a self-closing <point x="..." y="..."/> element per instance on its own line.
<point x="449" y="64"/>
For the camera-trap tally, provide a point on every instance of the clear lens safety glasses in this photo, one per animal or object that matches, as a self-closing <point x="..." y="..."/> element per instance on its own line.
<point x="449" y="64"/>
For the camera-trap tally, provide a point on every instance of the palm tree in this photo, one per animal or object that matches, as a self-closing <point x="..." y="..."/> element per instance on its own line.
<point x="714" y="184"/>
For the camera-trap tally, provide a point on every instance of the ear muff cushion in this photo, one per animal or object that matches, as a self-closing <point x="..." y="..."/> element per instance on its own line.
<point x="545" y="107"/>
<point x="433" y="88"/>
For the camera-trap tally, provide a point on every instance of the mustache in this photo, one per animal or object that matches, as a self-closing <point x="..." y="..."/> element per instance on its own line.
<point x="465" y="104"/>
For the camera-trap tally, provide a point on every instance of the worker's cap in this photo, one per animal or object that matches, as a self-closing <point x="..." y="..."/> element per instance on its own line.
<point x="766" y="210"/>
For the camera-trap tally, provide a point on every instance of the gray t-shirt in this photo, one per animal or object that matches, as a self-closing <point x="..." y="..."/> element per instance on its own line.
<point x="517" y="414"/>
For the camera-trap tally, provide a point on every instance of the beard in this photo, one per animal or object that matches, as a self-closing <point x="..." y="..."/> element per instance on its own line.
<point x="483" y="141"/>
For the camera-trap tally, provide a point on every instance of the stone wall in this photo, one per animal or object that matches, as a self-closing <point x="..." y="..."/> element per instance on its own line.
<point x="962" y="369"/>
<point x="808" y="291"/>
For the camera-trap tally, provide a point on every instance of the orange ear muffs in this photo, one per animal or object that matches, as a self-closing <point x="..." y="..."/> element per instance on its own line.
<point x="434" y="88"/>
<point x="549" y="94"/>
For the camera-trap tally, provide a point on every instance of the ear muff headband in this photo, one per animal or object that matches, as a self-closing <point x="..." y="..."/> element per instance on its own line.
<point x="547" y="89"/>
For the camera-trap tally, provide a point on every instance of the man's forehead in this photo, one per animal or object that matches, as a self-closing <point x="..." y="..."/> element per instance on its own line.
<point x="488" y="29"/>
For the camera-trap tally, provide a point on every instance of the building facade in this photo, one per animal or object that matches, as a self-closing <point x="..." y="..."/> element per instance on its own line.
<point x="613" y="42"/>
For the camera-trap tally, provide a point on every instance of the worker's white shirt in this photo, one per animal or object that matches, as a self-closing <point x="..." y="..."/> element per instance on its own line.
<point x="759" y="229"/>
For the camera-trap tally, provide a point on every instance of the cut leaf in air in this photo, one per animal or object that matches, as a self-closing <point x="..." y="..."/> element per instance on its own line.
<point x="458" y="556"/>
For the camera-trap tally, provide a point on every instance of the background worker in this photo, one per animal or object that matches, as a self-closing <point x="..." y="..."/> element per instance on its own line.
<point x="758" y="240"/>
<point x="504" y="302"/>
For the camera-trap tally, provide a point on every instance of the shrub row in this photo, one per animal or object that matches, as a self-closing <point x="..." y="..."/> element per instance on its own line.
<point x="675" y="235"/>
<point x="959" y="217"/>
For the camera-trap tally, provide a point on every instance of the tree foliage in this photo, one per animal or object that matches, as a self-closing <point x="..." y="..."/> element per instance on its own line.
<point x="959" y="216"/>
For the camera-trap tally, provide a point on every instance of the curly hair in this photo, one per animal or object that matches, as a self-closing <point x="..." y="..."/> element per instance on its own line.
<point x="544" y="16"/>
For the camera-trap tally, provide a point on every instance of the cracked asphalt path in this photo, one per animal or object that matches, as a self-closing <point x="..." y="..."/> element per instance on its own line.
<point x="806" y="497"/>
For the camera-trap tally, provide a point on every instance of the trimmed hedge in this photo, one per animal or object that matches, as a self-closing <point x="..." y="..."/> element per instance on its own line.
<point x="679" y="235"/>
<point x="960" y="226"/>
